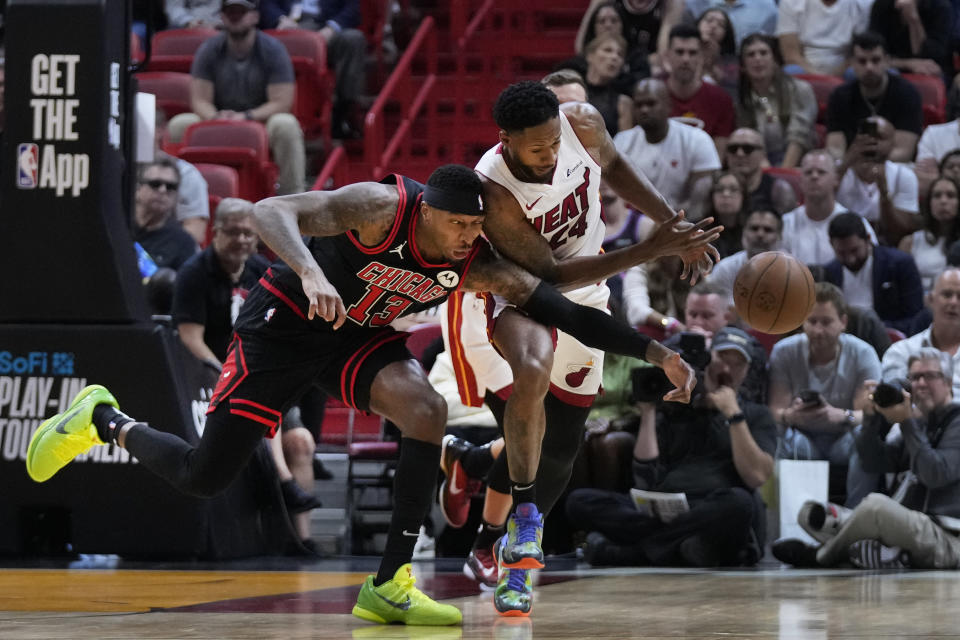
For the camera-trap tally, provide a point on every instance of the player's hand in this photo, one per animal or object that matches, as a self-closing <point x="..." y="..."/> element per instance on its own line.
<point x="698" y="255"/>
<point x="682" y="377"/>
<point x="324" y="300"/>
<point x="678" y="237"/>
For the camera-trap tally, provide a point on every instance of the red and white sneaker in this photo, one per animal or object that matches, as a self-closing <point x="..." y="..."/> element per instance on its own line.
<point x="457" y="488"/>
<point x="481" y="565"/>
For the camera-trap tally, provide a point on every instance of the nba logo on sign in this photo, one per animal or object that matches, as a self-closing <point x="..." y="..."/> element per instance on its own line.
<point x="28" y="160"/>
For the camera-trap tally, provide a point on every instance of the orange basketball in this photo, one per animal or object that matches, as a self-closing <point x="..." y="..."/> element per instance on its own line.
<point x="774" y="292"/>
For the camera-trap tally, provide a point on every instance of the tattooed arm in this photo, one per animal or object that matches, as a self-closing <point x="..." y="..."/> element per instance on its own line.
<point x="368" y="208"/>
<point x="592" y="327"/>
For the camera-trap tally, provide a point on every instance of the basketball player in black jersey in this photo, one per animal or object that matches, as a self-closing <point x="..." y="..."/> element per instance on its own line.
<point x="378" y="251"/>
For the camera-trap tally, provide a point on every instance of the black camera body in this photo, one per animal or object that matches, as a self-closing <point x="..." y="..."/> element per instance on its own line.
<point x="888" y="394"/>
<point x="650" y="384"/>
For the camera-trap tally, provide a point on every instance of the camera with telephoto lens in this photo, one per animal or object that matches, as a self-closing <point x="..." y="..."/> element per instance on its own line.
<point x="888" y="394"/>
<point x="650" y="384"/>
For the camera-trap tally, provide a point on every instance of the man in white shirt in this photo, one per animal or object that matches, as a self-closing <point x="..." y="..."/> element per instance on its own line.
<point x="761" y="232"/>
<point x="675" y="157"/>
<point x="805" y="234"/>
<point x="815" y="35"/>
<point x="943" y="333"/>
<point x="936" y="141"/>
<point x="883" y="192"/>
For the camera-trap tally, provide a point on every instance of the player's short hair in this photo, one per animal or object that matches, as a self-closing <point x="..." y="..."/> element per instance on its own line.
<point x="848" y="224"/>
<point x="525" y="104"/>
<point x="455" y="188"/>
<point x="827" y="292"/>
<point x="231" y="209"/>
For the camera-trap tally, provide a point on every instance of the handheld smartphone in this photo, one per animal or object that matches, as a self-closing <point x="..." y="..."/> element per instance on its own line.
<point x="810" y="398"/>
<point x="868" y="128"/>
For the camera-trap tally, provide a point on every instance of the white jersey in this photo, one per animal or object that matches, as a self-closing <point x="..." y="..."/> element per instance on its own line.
<point x="567" y="210"/>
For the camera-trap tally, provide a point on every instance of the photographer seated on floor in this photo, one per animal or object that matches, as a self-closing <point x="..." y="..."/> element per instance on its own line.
<point x="716" y="452"/>
<point x="918" y="526"/>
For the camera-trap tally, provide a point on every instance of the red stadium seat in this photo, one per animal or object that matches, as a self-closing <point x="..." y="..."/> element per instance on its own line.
<point x="173" y="50"/>
<point x="933" y="94"/>
<point x="171" y="88"/>
<point x="222" y="181"/>
<point x="822" y="87"/>
<point x="792" y="176"/>
<point x="238" y="144"/>
<point x="314" y="99"/>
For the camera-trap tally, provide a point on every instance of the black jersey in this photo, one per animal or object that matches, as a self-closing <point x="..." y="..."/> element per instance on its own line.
<point x="377" y="284"/>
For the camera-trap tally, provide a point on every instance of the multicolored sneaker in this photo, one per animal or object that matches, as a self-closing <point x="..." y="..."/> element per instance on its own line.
<point x="66" y="435"/>
<point x="520" y="547"/>
<point x="457" y="488"/>
<point x="481" y="565"/>
<point x="514" y="593"/>
<point x="397" y="600"/>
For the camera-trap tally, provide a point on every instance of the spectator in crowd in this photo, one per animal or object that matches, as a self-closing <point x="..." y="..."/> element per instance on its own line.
<point x="862" y="323"/>
<point x="883" y="192"/>
<point x="815" y="35"/>
<point x="759" y="16"/>
<point x="918" y="33"/>
<point x="193" y="14"/>
<point x="675" y="157"/>
<point x="719" y="49"/>
<point x="708" y="309"/>
<point x="943" y="332"/>
<point x="805" y="228"/>
<point x="193" y="203"/>
<point x="874" y="276"/>
<point x="210" y="289"/>
<point x="761" y="232"/>
<point x="874" y="92"/>
<point x="929" y="245"/>
<point x="718" y="454"/>
<point x="338" y="22"/>
<point x="746" y="155"/>
<point x="690" y="95"/>
<point x="623" y="226"/>
<point x="647" y="24"/>
<point x="909" y="529"/>
<point x="727" y="204"/>
<point x="244" y="74"/>
<point x="605" y="55"/>
<point x="816" y="390"/>
<point x="654" y="296"/>
<point x="154" y="223"/>
<point x="567" y="84"/>
<point x="605" y="18"/>
<point x="936" y="142"/>
<point x="781" y="107"/>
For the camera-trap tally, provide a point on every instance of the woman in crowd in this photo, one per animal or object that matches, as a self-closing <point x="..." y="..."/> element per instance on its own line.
<point x="777" y="105"/>
<point x="929" y="245"/>
<point x="720" y="64"/>
<point x="605" y="56"/>
<point x="605" y="19"/>
<point x="728" y="206"/>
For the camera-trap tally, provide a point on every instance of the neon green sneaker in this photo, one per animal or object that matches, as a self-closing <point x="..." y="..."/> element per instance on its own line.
<point x="60" y="439"/>
<point x="397" y="600"/>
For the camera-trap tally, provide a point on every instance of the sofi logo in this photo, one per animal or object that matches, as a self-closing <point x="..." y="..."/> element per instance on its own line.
<point x="36" y="362"/>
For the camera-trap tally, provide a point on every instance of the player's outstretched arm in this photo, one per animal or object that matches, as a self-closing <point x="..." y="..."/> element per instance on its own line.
<point x="630" y="185"/>
<point x="590" y="326"/>
<point x="367" y="208"/>
<point x="510" y="232"/>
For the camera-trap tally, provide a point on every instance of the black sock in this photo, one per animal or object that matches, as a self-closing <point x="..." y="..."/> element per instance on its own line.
<point x="487" y="534"/>
<point x="413" y="487"/>
<point x="108" y="421"/>
<point x="523" y="492"/>
<point x="477" y="461"/>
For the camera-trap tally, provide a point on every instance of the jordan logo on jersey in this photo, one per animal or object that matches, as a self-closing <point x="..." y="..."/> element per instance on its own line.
<point x="399" y="249"/>
<point x="568" y="219"/>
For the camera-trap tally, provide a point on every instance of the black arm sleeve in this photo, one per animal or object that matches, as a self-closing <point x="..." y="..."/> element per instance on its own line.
<point x="592" y="327"/>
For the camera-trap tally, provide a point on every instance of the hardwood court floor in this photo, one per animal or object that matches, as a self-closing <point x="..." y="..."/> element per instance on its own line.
<point x="314" y="601"/>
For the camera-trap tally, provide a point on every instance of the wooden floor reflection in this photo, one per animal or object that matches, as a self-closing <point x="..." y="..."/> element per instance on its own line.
<point x="780" y="604"/>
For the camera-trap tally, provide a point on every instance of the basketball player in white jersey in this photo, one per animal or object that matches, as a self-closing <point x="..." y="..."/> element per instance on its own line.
<point x="541" y="190"/>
